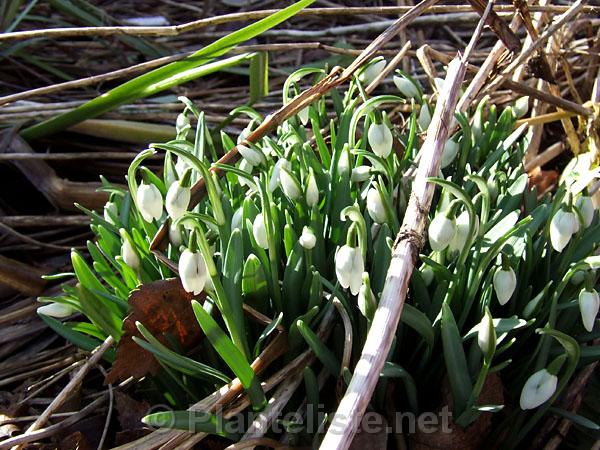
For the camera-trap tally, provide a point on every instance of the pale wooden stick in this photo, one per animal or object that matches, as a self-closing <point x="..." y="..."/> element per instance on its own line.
<point x="406" y="250"/>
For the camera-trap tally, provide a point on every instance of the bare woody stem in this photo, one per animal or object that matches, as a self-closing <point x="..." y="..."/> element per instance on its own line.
<point x="408" y="243"/>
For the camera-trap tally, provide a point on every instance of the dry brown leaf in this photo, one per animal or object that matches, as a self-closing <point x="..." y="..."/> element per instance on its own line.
<point x="165" y="309"/>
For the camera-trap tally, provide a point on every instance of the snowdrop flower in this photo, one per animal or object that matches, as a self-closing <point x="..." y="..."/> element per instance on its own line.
<point x="252" y="155"/>
<point x="344" y="162"/>
<point x="375" y="206"/>
<point x="245" y="166"/>
<point x="274" y="181"/>
<point x="130" y="255"/>
<point x="589" y="304"/>
<point x="192" y="271"/>
<point x="259" y="231"/>
<point x="307" y="239"/>
<point x="406" y="87"/>
<point x="175" y="237"/>
<point x="178" y="197"/>
<point x="424" y="117"/>
<point x="289" y="184"/>
<point x="349" y="266"/>
<point x="564" y="224"/>
<point x="427" y="275"/>
<point x="441" y="231"/>
<point x="244" y="134"/>
<point x="149" y="202"/>
<point x="486" y="336"/>
<point x="449" y="153"/>
<point x="303" y="115"/>
<point x="58" y="310"/>
<point x="505" y="282"/>
<point x="181" y="166"/>
<point x="236" y="219"/>
<point x="367" y="304"/>
<point x="312" y="190"/>
<point x="538" y="389"/>
<point x="586" y="206"/>
<point x="462" y="232"/>
<point x="380" y="139"/>
<point x="360" y="173"/>
<point x="370" y="73"/>
<point x="521" y="107"/>
<point x="182" y="125"/>
<point x="111" y="212"/>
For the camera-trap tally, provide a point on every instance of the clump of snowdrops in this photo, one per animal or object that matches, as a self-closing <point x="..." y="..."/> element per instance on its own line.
<point x="505" y="286"/>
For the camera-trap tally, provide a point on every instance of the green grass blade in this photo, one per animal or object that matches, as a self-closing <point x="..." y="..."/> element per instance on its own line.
<point x="192" y="421"/>
<point x="154" y="81"/>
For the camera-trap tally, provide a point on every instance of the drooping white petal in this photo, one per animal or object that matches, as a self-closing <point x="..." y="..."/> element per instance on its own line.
<point x="375" y="206"/>
<point x="371" y="72"/>
<point x="586" y="207"/>
<point x="589" y="304"/>
<point x="505" y="282"/>
<point x="312" y="191"/>
<point x="290" y="185"/>
<point x="175" y="237"/>
<point x="192" y="271"/>
<point x="561" y="229"/>
<point x="150" y="202"/>
<point x="358" y="267"/>
<point x="259" y="231"/>
<point x="449" y="153"/>
<point x="344" y="259"/>
<point x="129" y="255"/>
<point x="424" y="117"/>
<point x="441" y="231"/>
<point x="57" y="310"/>
<point x="521" y="107"/>
<point x="177" y="200"/>
<point x="252" y="155"/>
<point x="307" y="239"/>
<point x="538" y="389"/>
<point x="406" y="87"/>
<point x="462" y="232"/>
<point x="380" y="139"/>
<point x="360" y="173"/>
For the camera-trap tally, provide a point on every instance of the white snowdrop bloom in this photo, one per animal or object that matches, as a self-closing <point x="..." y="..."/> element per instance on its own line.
<point x="245" y="166"/>
<point x="406" y="87"/>
<point x="175" y="237"/>
<point x="449" y="153"/>
<point x="375" y="206"/>
<point x="303" y="116"/>
<point x="360" y="173"/>
<point x="505" y="282"/>
<point x="485" y="335"/>
<point x="289" y="184"/>
<point x="312" y="190"/>
<point x="243" y="135"/>
<point x="111" y="213"/>
<point x="57" y="310"/>
<point x="181" y="166"/>
<point x="424" y="117"/>
<point x="349" y="266"/>
<point x="589" y="303"/>
<point x="259" y="231"/>
<point x="130" y="255"/>
<point x="586" y="206"/>
<point x="307" y="239"/>
<point x="274" y="181"/>
<point x="441" y="231"/>
<point x="521" y="107"/>
<point x="149" y="202"/>
<point x="344" y="162"/>
<point x="178" y="200"/>
<point x="252" y="155"/>
<point x="370" y="73"/>
<point x="182" y="125"/>
<point x="236" y="219"/>
<point x="192" y="271"/>
<point x="538" y="389"/>
<point x="380" y="139"/>
<point x="462" y="232"/>
<point x="563" y="225"/>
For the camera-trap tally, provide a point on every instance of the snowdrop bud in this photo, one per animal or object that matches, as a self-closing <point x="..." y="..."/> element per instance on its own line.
<point x="586" y="206"/>
<point x="181" y="166"/>
<point x="577" y="277"/>
<point x="521" y="107"/>
<point x="178" y="200"/>
<point x="449" y="153"/>
<point x="406" y="87"/>
<point x="192" y="271"/>
<point x="562" y="227"/>
<point x="236" y="220"/>
<point x="589" y="303"/>
<point x="307" y="239"/>
<point x="58" y="310"/>
<point x="371" y="72"/>
<point x="275" y="174"/>
<point x="424" y="117"/>
<point x="360" y="173"/>
<point x="367" y="304"/>
<point x="175" y="237"/>
<point x="486" y="336"/>
<point x="243" y="135"/>
<point x="427" y="275"/>
<point x="380" y="139"/>
<point x="375" y="206"/>
<point x="130" y="256"/>
<point x="349" y="266"/>
<point x="505" y="282"/>
<point x="149" y="202"/>
<point x="538" y="389"/>
<point x="111" y="212"/>
<point x="252" y="155"/>
<point x="343" y="162"/>
<point x="312" y="190"/>
<point x="182" y="125"/>
<point x="462" y="232"/>
<point x="246" y="167"/>
<point x="441" y="231"/>
<point x="290" y="185"/>
<point x="303" y="115"/>
<point x="259" y="231"/>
